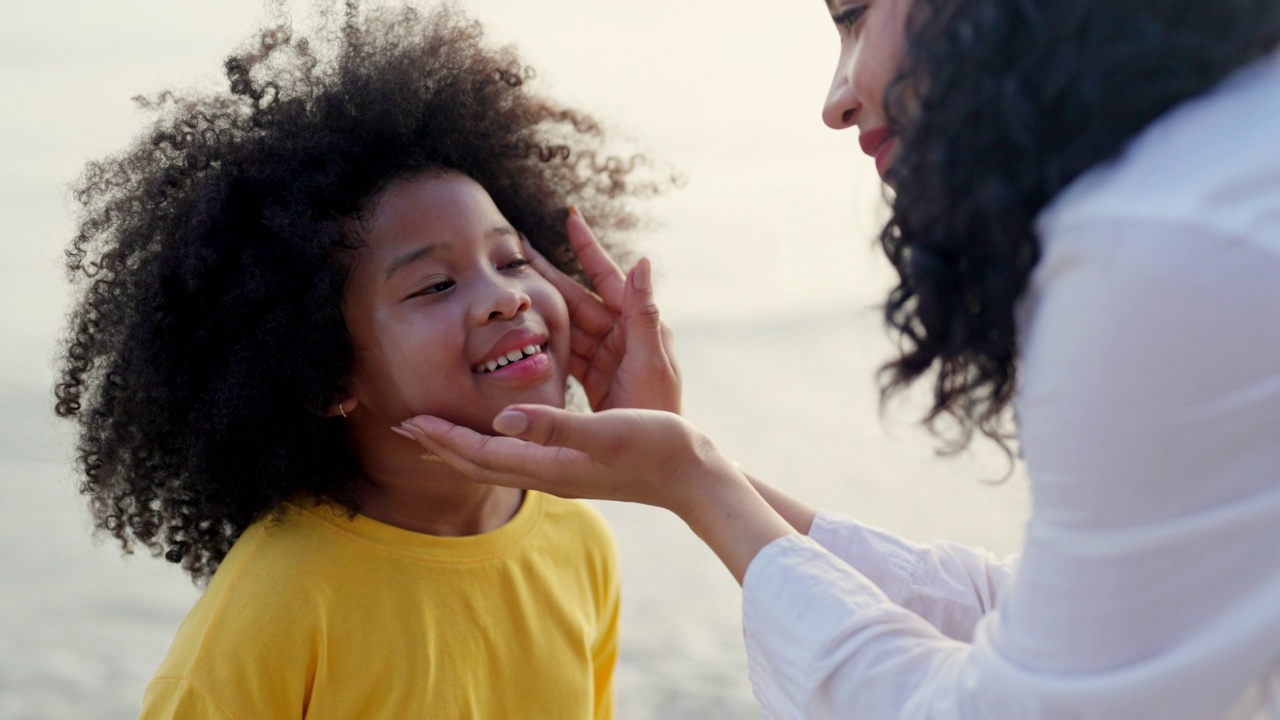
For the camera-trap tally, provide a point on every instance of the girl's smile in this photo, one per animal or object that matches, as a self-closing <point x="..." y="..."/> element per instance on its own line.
<point x="518" y="356"/>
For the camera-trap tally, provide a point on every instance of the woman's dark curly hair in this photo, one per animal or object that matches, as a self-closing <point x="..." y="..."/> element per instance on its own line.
<point x="208" y="334"/>
<point x="999" y="106"/>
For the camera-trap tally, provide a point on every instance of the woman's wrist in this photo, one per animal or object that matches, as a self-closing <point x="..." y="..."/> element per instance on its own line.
<point x="729" y="515"/>
<point x="799" y="515"/>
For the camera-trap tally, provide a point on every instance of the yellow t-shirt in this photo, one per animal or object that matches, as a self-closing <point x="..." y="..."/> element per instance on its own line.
<point x="325" y="618"/>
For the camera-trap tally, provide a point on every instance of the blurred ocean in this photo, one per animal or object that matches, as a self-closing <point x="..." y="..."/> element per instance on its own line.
<point x="765" y="268"/>
<point x="81" y="629"/>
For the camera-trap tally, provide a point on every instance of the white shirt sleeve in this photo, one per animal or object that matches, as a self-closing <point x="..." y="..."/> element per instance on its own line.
<point x="1149" y="418"/>
<point x="950" y="586"/>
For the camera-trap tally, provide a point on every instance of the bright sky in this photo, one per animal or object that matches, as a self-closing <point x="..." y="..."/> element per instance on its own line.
<point x="775" y="219"/>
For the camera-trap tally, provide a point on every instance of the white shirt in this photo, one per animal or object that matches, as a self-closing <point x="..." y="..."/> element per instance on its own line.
<point x="1149" y="419"/>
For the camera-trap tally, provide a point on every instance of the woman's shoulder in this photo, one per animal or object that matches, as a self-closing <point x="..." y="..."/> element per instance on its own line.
<point x="1213" y="161"/>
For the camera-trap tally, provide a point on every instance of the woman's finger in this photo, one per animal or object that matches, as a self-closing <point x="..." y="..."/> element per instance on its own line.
<point x="506" y="461"/>
<point x="606" y="276"/>
<point x="579" y="366"/>
<point x="597" y="386"/>
<point x="669" y="348"/>
<point x="584" y="342"/>
<point x="644" y="325"/>
<point x="542" y="425"/>
<point x="608" y="356"/>
<point x="586" y="309"/>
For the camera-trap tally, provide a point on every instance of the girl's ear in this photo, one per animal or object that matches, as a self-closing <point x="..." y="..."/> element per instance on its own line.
<point x="342" y="407"/>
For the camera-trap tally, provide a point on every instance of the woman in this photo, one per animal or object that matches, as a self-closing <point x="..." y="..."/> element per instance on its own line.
<point x="1086" y="213"/>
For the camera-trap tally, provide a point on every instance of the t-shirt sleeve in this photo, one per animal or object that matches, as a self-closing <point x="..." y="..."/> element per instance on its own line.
<point x="247" y="648"/>
<point x="604" y="646"/>
<point x="178" y="699"/>
<point x="950" y="586"/>
<point x="1149" y="585"/>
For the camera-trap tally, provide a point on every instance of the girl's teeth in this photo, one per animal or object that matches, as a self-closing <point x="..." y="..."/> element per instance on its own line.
<point x="509" y="358"/>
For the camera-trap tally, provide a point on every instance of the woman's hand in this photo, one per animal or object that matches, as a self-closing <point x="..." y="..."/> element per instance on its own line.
<point x="643" y="456"/>
<point x="622" y="351"/>
<point x="655" y="458"/>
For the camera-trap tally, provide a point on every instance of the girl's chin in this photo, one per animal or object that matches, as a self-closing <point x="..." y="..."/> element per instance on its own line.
<point x="550" y="398"/>
<point x="478" y="414"/>
<point x="484" y="425"/>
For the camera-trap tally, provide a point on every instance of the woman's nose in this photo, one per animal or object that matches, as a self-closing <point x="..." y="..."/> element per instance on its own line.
<point x="841" y="109"/>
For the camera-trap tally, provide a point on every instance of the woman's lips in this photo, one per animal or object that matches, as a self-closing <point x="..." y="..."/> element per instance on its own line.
<point x="883" y="155"/>
<point x="879" y="144"/>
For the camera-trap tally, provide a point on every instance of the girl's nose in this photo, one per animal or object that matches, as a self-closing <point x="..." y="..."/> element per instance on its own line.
<point x="841" y="108"/>
<point x="502" y="300"/>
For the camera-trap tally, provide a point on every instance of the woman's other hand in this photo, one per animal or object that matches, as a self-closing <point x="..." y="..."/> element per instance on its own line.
<point x="622" y="351"/>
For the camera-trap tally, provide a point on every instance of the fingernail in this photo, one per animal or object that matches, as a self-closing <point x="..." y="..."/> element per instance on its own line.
<point x="511" y="422"/>
<point x="574" y="211"/>
<point x="642" y="279"/>
<point x="431" y="457"/>
<point x="403" y="433"/>
<point x="415" y="430"/>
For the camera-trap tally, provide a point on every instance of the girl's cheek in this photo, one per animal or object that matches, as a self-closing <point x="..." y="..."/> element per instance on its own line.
<point x="549" y="303"/>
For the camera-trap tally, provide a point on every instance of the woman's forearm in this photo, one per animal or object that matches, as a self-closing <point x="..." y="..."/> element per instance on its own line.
<point x="735" y="521"/>
<point x="797" y="513"/>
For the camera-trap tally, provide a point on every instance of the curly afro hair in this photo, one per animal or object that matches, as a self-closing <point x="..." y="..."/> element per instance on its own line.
<point x="208" y="333"/>
<point x="1000" y="105"/>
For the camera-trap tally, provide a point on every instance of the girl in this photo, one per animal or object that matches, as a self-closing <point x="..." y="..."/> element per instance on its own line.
<point x="1086" y="217"/>
<point x="277" y="275"/>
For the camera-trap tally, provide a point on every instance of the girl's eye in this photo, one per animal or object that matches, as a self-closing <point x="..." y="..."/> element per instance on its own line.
<point x="434" y="288"/>
<point x="516" y="264"/>
<point x="847" y="18"/>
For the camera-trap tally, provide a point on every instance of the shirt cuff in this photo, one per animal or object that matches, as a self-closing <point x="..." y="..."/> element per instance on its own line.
<point x="885" y="559"/>
<point x="794" y="593"/>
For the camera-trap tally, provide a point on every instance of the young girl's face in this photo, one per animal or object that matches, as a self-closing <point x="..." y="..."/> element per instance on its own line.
<point x="446" y="314"/>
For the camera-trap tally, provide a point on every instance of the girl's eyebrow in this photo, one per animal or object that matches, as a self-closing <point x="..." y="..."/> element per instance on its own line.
<point x="409" y="258"/>
<point x="413" y="256"/>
